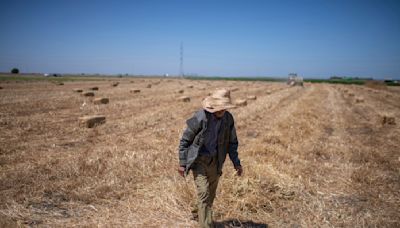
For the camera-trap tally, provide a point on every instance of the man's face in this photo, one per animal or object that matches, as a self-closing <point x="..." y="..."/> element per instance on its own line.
<point x="219" y="114"/>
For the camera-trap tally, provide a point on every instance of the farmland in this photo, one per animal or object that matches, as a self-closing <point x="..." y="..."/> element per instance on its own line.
<point x="318" y="155"/>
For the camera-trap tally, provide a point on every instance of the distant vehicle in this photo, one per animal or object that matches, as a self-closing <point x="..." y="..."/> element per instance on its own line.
<point x="52" y="75"/>
<point x="294" y="80"/>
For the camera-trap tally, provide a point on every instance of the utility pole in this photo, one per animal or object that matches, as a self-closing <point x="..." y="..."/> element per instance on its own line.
<point x="181" y="74"/>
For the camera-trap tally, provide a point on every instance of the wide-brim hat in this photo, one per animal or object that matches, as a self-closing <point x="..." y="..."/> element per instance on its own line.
<point x="217" y="101"/>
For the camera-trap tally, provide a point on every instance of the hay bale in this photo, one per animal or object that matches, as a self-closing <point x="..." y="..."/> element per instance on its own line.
<point x="359" y="100"/>
<point x="88" y="94"/>
<point x="78" y="90"/>
<point x="60" y="83"/>
<point x="148" y="86"/>
<point x="241" y="102"/>
<point x="91" y="121"/>
<point x="94" y="88"/>
<point x="135" y="91"/>
<point x="115" y="84"/>
<point x="269" y="92"/>
<point x="180" y="91"/>
<point x="184" y="99"/>
<point x="251" y="97"/>
<point x="101" y="100"/>
<point x="388" y="120"/>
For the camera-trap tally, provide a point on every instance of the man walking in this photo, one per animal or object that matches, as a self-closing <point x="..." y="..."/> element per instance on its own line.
<point x="210" y="135"/>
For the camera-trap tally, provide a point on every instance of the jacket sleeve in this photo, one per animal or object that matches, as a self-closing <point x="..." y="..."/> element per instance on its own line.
<point x="233" y="145"/>
<point x="192" y="128"/>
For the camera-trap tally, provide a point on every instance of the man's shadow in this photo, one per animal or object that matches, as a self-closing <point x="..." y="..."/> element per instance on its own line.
<point x="234" y="223"/>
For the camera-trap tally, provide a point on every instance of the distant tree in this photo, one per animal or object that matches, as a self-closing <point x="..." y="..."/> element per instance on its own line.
<point x="15" y="71"/>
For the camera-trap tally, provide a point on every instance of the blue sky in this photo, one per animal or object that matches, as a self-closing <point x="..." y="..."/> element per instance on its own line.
<point x="225" y="38"/>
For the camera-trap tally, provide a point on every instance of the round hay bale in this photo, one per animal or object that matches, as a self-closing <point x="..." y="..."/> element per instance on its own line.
<point x="78" y="90"/>
<point x="180" y="91"/>
<point x="388" y="120"/>
<point x="184" y="99"/>
<point x="115" y="84"/>
<point x="135" y="91"/>
<point x="101" y="100"/>
<point x="241" y="102"/>
<point x="251" y="97"/>
<point x="91" y="121"/>
<point x="268" y="92"/>
<point x="94" y="88"/>
<point x="88" y="94"/>
<point x="359" y="100"/>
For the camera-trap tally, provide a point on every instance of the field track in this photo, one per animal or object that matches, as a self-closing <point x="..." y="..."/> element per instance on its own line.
<point x="313" y="156"/>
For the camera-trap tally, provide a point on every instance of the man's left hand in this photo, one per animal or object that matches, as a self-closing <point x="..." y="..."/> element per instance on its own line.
<point x="239" y="170"/>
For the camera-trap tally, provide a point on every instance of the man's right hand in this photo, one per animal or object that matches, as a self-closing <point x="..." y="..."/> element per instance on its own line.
<point x="181" y="170"/>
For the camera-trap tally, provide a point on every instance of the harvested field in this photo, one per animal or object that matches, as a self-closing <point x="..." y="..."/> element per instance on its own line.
<point x="312" y="156"/>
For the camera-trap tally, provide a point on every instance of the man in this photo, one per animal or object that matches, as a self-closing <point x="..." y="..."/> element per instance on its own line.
<point x="209" y="136"/>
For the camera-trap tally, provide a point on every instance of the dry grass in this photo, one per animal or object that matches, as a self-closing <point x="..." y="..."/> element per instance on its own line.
<point x="311" y="157"/>
<point x="388" y="119"/>
<point x="379" y="85"/>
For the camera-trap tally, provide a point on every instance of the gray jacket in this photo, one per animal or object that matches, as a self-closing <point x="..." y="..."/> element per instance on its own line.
<point x="193" y="138"/>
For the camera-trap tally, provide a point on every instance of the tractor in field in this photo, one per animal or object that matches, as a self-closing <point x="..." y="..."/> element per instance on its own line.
<point x="294" y="80"/>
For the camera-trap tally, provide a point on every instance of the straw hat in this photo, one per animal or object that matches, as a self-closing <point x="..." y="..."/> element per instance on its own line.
<point x="217" y="101"/>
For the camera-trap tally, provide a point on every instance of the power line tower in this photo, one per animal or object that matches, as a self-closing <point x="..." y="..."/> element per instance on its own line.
<point x="181" y="74"/>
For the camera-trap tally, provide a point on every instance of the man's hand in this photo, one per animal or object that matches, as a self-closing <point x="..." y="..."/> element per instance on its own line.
<point x="181" y="170"/>
<point x="239" y="170"/>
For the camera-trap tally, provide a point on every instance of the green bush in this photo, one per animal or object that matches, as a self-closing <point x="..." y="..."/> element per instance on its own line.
<point x="15" y="71"/>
